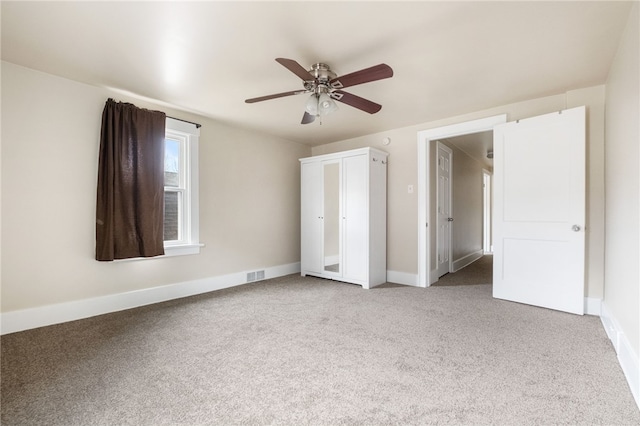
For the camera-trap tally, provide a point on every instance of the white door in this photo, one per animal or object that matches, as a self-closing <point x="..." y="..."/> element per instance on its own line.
<point x="355" y="232"/>
<point x="444" y="160"/>
<point x="539" y="211"/>
<point x="311" y="218"/>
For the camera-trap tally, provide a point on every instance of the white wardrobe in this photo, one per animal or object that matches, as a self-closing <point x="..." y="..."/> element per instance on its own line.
<point x="344" y="216"/>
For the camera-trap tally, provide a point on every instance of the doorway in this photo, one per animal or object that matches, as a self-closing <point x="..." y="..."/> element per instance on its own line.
<point x="480" y="272"/>
<point x="463" y="166"/>
<point x="427" y="271"/>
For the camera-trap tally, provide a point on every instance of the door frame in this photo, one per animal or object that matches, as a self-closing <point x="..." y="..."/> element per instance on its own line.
<point x="426" y="276"/>
<point x="487" y="211"/>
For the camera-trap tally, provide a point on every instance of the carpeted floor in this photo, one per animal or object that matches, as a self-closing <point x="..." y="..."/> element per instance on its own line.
<point x="296" y="350"/>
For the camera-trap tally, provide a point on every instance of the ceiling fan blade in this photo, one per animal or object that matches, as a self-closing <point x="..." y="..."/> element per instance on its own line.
<point x="277" y="95"/>
<point x="356" y="101"/>
<point x="296" y="68"/>
<point x="308" y="118"/>
<point x="377" y="72"/>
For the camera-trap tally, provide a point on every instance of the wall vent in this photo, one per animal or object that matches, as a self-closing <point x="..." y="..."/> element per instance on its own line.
<point x="260" y="275"/>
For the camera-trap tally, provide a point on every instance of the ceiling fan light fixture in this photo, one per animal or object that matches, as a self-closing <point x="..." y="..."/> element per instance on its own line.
<point x="326" y="105"/>
<point x="312" y="105"/>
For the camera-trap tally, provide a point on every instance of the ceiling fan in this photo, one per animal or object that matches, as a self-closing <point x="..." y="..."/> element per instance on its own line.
<point x="325" y="87"/>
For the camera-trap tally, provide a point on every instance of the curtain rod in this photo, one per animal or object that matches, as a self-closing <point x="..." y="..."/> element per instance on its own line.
<point x="186" y="121"/>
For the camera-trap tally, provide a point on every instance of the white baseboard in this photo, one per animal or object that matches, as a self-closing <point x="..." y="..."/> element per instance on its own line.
<point x="26" y="319"/>
<point x="627" y="358"/>
<point x="592" y="306"/>
<point x="466" y="260"/>
<point x="402" y="278"/>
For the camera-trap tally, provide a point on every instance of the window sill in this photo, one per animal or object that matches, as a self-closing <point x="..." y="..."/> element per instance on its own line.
<point x="170" y="251"/>
<point x="182" y="250"/>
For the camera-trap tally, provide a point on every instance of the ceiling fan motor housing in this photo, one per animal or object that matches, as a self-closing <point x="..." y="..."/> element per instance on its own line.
<point x="322" y="76"/>
<point x="322" y="73"/>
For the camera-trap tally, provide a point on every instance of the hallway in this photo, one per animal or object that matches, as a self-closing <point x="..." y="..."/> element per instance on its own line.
<point x="479" y="272"/>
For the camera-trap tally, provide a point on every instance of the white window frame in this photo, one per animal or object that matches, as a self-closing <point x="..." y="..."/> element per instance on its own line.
<point x="188" y="135"/>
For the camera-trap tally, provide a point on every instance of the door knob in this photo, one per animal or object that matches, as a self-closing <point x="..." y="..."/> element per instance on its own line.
<point x="575" y="228"/>
<point x="449" y="219"/>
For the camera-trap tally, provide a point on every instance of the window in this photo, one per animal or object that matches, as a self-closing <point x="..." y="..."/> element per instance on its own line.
<point x="181" y="188"/>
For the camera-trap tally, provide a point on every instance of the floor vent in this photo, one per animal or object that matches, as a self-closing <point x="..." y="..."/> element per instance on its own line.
<point x="255" y="276"/>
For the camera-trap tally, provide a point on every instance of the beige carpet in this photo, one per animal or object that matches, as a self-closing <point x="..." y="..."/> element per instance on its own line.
<point x="306" y="351"/>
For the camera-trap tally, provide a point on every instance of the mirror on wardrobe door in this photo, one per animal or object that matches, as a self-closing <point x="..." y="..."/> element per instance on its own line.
<point x="331" y="217"/>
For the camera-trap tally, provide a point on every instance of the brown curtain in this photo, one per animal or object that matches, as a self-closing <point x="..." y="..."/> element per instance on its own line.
<point x="130" y="202"/>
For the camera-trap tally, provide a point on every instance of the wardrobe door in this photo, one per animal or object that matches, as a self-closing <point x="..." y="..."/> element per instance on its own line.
<point x="311" y="218"/>
<point x="355" y="217"/>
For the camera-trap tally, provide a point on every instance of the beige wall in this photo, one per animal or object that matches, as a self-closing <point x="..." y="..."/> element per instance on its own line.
<point x="50" y="135"/>
<point x="249" y="197"/>
<point x="402" y="236"/>
<point x="622" y="251"/>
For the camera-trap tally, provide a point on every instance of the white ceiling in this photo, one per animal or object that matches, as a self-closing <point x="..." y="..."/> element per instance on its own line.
<point x="476" y="146"/>
<point x="449" y="58"/>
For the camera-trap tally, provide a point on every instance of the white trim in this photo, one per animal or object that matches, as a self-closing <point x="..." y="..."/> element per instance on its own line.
<point x="424" y="249"/>
<point x="466" y="260"/>
<point x="433" y="277"/>
<point x="627" y="358"/>
<point x="402" y="278"/>
<point x="486" y="210"/>
<point x="182" y="250"/>
<point x="189" y="135"/>
<point x="592" y="306"/>
<point x="424" y="137"/>
<point x="26" y="319"/>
